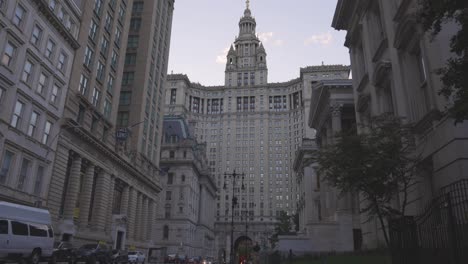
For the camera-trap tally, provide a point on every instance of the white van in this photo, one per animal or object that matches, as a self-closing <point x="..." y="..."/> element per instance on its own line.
<point x="25" y="232"/>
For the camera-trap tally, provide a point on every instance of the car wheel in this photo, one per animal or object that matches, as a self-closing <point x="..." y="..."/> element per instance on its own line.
<point x="35" y="257"/>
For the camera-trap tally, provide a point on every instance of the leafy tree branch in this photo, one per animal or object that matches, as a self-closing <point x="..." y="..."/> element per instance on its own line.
<point x="434" y="14"/>
<point x="379" y="165"/>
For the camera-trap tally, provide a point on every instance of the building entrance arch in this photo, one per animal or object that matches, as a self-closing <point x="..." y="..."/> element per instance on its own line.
<point x="243" y="247"/>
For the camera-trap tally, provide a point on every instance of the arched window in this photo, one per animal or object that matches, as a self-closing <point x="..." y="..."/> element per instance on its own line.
<point x="183" y="178"/>
<point x="171" y="154"/>
<point x="166" y="232"/>
<point x="261" y="58"/>
<point x="230" y="60"/>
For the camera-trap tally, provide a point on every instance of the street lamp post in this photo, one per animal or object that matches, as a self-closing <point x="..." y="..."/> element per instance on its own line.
<point x="234" y="176"/>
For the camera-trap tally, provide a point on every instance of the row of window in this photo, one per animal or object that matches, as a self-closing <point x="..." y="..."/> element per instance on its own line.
<point x="25" y="173"/>
<point x="10" y="52"/>
<point x="171" y="177"/>
<point x="96" y="94"/>
<point x="62" y="15"/>
<point x="20" y="16"/>
<point x="89" y="55"/>
<point x="17" y="121"/>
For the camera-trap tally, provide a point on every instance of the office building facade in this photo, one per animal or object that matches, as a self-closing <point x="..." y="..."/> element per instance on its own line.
<point x="98" y="194"/>
<point x="187" y="216"/>
<point x="394" y="67"/>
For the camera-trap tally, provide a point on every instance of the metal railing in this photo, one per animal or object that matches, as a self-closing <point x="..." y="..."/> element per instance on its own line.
<point x="439" y="234"/>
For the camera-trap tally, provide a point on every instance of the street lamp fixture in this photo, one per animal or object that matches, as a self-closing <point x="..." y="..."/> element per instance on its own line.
<point x="234" y="177"/>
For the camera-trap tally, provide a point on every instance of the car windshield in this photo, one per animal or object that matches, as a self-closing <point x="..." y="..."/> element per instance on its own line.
<point x="132" y="253"/>
<point x="89" y="246"/>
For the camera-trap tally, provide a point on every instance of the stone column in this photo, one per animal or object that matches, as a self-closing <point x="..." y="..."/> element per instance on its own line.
<point x="144" y="218"/>
<point x="85" y="196"/>
<point x="110" y="204"/>
<point x="336" y="118"/>
<point x="131" y="213"/>
<point x="343" y="200"/>
<point x="155" y="236"/>
<point x="101" y="201"/>
<point x="138" y="218"/>
<point x="150" y="219"/>
<point x="124" y="203"/>
<point x="201" y="218"/>
<point x="73" y="187"/>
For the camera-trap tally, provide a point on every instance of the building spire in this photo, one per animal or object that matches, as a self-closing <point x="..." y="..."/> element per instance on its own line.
<point x="247" y="2"/>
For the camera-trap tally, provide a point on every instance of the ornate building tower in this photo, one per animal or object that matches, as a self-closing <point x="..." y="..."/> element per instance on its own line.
<point x="246" y="60"/>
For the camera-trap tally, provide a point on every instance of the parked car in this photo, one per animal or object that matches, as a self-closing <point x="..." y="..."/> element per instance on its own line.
<point x="119" y="257"/>
<point x="63" y="252"/>
<point x="136" y="257"/>
<point x="90" y="253"/>
<point x="25" y="233"/>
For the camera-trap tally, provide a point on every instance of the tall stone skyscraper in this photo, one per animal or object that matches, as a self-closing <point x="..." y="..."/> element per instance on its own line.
<point x="100" y="190"/>
<point x="142" y="94"/>
<point x="253" y="127"/>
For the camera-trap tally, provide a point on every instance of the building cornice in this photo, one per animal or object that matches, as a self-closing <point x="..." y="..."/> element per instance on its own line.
<point x="343" y="14"/>
<point x="54" y="21"/>
<point x="308" y="147"/>
<point x="86" y="136"/>
<point x="325" y="90"/>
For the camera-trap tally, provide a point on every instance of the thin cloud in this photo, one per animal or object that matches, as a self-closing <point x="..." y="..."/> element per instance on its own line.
<point x="222" y="58"/>
<point x="323" y="39"/>
<point x="278" y="42"/>
<point x="265" y="36"/>
<point x="270" y="37"/>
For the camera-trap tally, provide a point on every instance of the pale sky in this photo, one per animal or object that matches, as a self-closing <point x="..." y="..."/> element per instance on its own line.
<point x="295" y="33"/>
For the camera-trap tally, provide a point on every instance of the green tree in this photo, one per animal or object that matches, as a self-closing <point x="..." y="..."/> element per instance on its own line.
<point x="282" y="227"/>
<point x="433" y="15"/>
<point x="376" y="164"/>
<point x="295" y="218"/>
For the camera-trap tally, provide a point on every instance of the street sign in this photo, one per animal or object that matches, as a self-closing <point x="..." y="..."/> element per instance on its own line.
<point x="121" y="134"/>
